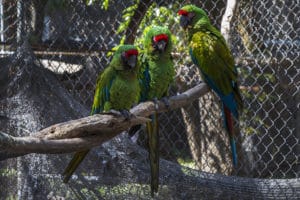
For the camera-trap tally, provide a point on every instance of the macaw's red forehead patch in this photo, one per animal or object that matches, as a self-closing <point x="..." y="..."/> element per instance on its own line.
<point x="131" y="52"/>
<point x="160" y="37"/>
<point x="183" y="12"/>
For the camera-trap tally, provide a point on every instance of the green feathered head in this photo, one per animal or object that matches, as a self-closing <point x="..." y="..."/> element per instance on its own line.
<point x="125" y="58"/>
<point x="191" y="15"/>
<point x="157" y="39"/>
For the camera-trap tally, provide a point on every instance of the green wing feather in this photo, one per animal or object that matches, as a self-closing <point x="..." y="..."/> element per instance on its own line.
<point x="101" y="102"/>
<point x="215" y="60"/>
<point x="211" y="54"/>
<point x="102" y="93"/>
<point x="220" y="65"/>
<point x="156" y="75"/>
<point x="117" y="89"/>
<point x="160" y="66"/>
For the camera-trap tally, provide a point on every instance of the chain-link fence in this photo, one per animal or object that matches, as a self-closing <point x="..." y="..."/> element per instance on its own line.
<point x="73" y="38"/>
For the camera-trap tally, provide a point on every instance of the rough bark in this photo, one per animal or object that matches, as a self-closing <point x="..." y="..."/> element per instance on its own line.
<point x="80" y="134"/>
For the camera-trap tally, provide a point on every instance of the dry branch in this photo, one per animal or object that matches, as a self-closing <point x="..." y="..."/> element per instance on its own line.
<point x="90" y="131"/>
<point x="69" y="136"/>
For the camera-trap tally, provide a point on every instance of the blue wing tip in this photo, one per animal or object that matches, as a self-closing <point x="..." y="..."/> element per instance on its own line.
<point x="233" y="150"/>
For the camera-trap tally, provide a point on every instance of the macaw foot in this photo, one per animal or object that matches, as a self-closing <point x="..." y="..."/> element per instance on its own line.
<point x="155" y="101"/>
<point x="166" y="101"/>
<point x="124" y="113"/>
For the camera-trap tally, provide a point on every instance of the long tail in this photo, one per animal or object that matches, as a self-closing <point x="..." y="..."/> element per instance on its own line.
<point x="73" y="164"/>
<point x="153" y="138"/>
<point x="228" y="121"/>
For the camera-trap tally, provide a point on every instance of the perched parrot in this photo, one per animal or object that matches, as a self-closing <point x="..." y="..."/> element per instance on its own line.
<point x="156" y="75"/>
<point x="211" y="54"/>
<point x="117" y="89"/>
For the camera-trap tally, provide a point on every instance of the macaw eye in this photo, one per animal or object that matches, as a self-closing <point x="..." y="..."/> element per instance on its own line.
<point x="191" y="15"/>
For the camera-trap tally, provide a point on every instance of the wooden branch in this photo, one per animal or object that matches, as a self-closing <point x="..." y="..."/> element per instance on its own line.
<point x="70" y="136"/>
<point x="90" y="131"/>
<point x="178" y="101"/>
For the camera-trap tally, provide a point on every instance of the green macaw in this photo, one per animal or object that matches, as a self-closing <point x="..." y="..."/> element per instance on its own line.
<point x="117" y="89"/>
<point x="156" y="75"/>
<point x="211" y="54"/>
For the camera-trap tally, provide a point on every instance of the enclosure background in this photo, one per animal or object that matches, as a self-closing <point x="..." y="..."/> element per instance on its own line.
<point x="73" y="40"/>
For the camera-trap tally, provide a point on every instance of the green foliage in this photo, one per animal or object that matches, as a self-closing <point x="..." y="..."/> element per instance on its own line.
<point x="126" y="17"/>
<point x="123" y="189"/>
<point x="111" y="53"/>
<point x="8" y="172"/>
<point x="187" y="163"/>
<point x="261" y="93"/>
<point x="159" y="16"/>
<point x="270" y="77"/>
<point x="105" y="4"/>
<point x="155" y="15"/>
<point x="12" y="197"/>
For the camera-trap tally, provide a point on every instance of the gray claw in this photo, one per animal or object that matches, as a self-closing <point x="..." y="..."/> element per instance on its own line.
<point x="114" y="112"/>
<point x="166" y="102"/>
<point x="124" y="113"/>
<point x="155" y="103"/>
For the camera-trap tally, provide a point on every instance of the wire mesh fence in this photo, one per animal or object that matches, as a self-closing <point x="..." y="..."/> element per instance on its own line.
<point x="73" y="38"/>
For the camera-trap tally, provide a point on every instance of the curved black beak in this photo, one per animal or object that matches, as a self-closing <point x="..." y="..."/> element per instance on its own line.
<point x="132" y="60"/>
<point x="184" y="21"/>
<point x="161" y="45"/>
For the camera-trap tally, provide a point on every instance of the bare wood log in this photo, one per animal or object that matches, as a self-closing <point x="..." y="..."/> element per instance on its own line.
<point x="178" y="101"/>
<point x="70" y="136"/>
<point x="98" y="124"/>
<point x="90" y="131"/>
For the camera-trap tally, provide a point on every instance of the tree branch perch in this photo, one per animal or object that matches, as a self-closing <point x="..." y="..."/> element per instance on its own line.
<point x="91" y="131"/>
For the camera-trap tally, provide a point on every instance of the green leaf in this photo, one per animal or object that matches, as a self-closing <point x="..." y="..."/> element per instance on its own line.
<point x="105" y="4"/>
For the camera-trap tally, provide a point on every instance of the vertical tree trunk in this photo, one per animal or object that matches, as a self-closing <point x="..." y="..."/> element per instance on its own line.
<point x="208" y="141"/>
<point x="191" y="119"/>
<point x="227" y="19"/>
<point x="136" y="20"/>
<point x="38" y="14"/>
